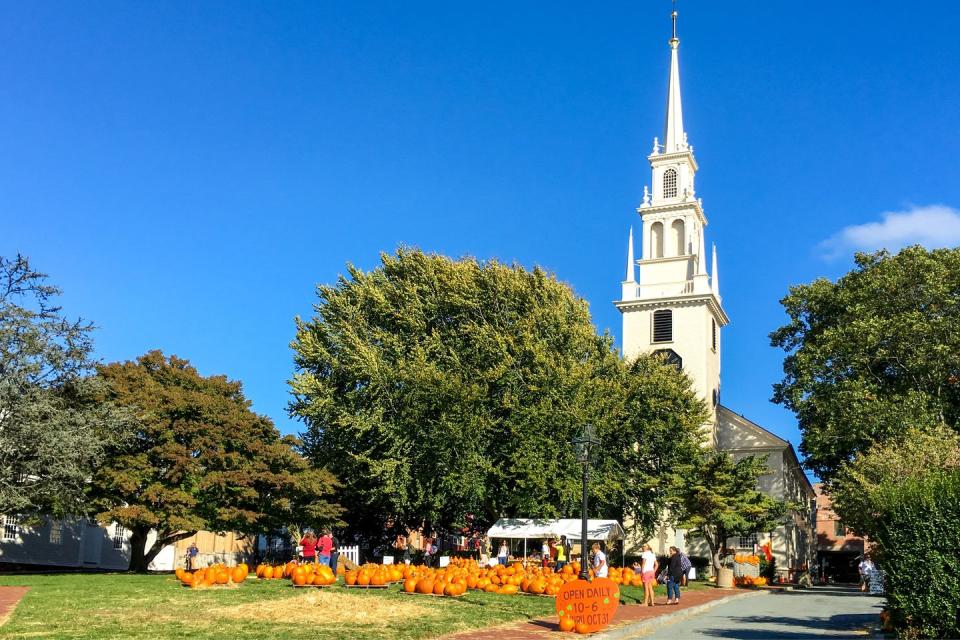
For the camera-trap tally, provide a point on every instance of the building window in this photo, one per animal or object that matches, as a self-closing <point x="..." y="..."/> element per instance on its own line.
<point x="656" y="240"/>
<point x="713" y="331"/>
<point x="56" y="532"/>
<point x="670" y="183"/>
<point x="118" y="533"/>
<point x="747" y="542"/>
<point x="663" y="325"/>
<point x="11" y="527"/>
<point x="670" y="357"/>
<point x="839" y="529"/>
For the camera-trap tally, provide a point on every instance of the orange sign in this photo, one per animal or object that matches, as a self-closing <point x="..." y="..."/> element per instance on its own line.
<point x="590" y="605"/>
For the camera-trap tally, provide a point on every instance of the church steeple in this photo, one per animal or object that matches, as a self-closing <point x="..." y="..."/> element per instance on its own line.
<point x="674" y="138"/>
<point x="672" y="306"/>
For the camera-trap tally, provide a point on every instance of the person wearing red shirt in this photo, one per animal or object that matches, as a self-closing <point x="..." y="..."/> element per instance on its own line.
<point x="309" y="546"/>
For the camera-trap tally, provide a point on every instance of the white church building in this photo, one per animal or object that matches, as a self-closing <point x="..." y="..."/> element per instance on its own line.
<point x="671" y="305"/>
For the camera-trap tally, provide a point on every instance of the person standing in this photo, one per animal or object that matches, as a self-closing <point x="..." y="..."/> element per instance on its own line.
<point x="504" y="554"/>
<point x="323" y="547"/>
<point x="600" y="568"/>
<point x="192" y="552"/>
<point x="648" y="573"/>
<point x="865" y="568"/>
<point x="308" y="546"/>
<point x="334" y="552"/>
<point x="675" y="576"/>
<point x="545" y="554"/>
<point x="561" y="554"/>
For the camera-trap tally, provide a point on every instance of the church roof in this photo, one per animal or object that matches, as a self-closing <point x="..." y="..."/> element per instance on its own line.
<point x="736" y="433"/>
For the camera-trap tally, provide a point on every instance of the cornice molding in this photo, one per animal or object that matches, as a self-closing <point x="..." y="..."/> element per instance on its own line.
<point x="666" y="210"/>
<point x="684" y="300"/>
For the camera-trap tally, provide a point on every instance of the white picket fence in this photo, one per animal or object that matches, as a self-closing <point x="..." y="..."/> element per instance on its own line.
<point x="351" y="553"/>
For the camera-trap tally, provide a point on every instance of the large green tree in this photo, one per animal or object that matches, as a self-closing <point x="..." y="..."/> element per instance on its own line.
<point x="857" y="488"/>
<point x="718" y="499"/>
<point x="200" y="459"/>
<point x="872" y="354"/>
<point x="438" y="388"/>
<point x="53" y="429"/>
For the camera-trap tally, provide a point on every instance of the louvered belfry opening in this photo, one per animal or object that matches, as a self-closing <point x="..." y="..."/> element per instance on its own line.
<point x="663" y="325"/>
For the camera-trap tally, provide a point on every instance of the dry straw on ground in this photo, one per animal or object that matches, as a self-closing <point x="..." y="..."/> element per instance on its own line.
<point x="324" y="608"/>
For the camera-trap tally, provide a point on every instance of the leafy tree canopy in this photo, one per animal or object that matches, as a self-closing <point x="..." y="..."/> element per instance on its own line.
<point x="437" y="389"/>
<point x="858" y="487"/>
<point x="872" y="354"/>
<point x="53" y="431"/>
<point x="718" y="499"/>
<point x="200" y="459"/>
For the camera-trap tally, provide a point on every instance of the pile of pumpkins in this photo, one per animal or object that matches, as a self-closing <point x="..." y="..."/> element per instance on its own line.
<point x="747" y="559"/>
<point x="217" y="574"/>
<point x="376" y="575"/>
<point x="300" y="574"/>
<point x="507" y="580"/>
<point x="278" y="572"/>
<point x="748" y="582"/>
<point x="311" y="573"/>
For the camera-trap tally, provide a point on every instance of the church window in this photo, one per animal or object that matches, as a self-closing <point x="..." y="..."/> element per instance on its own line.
<point x="663" y="325"/>
<point x="656" y="240"/>
<point x="11" y="527"/>
<point x="118" y="534"/>
<point x="678" y="237"/>
<point x="670" y="183"/>
<point x="839" y="528"/>
<point x="747" y="542"/>
<point x="713" y="328"/>
<point x="56" y="532"/>
<point x="670" y="357"/>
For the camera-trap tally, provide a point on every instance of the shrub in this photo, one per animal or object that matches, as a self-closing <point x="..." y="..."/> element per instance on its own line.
<point x="917" y="519"/>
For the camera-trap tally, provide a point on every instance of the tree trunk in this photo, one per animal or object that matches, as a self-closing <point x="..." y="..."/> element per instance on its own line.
<point x="138" y="547"/>
<point x="716" y="541"/>
<point x="140" y="556"/>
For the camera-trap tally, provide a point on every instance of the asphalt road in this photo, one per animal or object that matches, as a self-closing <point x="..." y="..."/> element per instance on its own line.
<point x="822" y="612"/>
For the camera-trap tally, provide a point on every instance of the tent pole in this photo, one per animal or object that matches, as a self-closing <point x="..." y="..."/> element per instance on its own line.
<point x="524" y="552"/>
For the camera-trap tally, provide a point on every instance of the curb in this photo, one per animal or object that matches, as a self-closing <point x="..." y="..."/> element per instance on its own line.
<point x="645" y="626"/>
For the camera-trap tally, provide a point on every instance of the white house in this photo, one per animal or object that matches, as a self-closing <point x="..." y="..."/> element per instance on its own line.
<point x="72" y="542"/>
<point x="674" y="308"/>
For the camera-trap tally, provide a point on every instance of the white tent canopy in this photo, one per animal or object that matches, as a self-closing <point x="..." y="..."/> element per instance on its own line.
<point x="537" y="528"/>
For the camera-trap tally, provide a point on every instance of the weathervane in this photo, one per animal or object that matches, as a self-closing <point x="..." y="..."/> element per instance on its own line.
<point x="674" y="17"/>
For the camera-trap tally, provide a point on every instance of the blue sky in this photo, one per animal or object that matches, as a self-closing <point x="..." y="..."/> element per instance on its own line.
<point x="188" y="172"/>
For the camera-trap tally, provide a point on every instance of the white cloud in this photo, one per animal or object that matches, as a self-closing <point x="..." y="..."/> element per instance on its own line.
<point x="932" y="226"/>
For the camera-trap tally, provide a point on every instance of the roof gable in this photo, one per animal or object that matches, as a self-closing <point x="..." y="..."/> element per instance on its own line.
<point x="734" y="432"/>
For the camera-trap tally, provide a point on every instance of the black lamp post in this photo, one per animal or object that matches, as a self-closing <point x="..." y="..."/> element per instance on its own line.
<point x="582" y="446"/>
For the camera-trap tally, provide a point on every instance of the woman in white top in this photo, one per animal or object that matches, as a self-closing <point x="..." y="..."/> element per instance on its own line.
<point x="504" y="552"/>
<point x="648" y="572"/>
<point x="599" y="561"/>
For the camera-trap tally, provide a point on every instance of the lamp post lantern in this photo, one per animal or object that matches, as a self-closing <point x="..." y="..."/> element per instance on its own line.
<point x="582" y="446"/>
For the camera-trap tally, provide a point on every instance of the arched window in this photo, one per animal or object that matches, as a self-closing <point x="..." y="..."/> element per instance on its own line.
<point x="678" y="237"/>
<point x="663" y="325"/>
<point x="656" y="240"/>
<point x="670" y="183"/>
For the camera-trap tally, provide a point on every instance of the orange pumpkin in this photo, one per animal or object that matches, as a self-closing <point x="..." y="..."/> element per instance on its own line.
<point x="410" y="585"/>
<point x="567" y="624"/>
<point x="425" y="585"/>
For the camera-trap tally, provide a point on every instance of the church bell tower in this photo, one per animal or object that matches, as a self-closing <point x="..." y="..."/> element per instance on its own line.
<point x="674" y="309"/>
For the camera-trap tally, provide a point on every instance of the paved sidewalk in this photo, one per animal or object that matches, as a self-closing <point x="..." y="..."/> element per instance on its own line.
<point x="9" y="599"/>
<point x="627" y="614"/>
<point x="807" y="614"/>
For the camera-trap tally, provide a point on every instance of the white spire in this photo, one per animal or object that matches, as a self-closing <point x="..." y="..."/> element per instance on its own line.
<point x="675" y="139"/>
<point x="714" y="276"/>
<point x="630" y="263"/>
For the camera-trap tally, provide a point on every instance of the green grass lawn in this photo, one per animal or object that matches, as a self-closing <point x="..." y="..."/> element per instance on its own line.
<point x="100" y="606"/>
